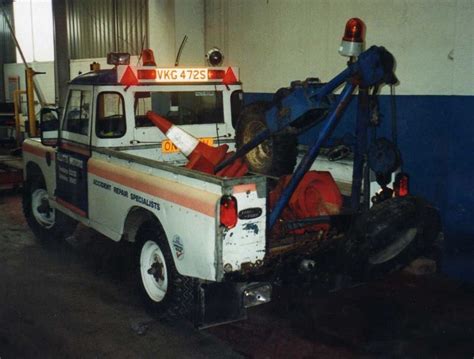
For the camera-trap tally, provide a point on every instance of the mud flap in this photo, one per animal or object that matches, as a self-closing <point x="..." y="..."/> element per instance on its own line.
<point x="221" y="303"/>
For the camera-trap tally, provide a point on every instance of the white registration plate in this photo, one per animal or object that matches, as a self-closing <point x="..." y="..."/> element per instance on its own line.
<point x="181" y="75"/>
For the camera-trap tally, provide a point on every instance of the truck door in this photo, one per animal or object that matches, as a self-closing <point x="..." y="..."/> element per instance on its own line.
<point x="74" y="151"/>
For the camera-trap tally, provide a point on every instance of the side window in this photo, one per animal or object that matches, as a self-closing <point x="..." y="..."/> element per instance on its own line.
<point x="110" y="120"/>
<point x="78" y="112"/>
<point x="142" y="106"/>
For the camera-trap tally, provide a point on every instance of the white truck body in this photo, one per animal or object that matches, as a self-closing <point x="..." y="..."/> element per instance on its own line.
<point x="131" y="173"/>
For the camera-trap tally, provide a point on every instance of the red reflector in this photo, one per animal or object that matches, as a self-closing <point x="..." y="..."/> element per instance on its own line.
<point x="355" y="30"/>
<point x="401" y="185"/>
<point x="148" y="58"/>
<point x="229" y="77"/>
<point x="128" y="78"/>
<point x="146" y="74"/>
<point x="215" y="74"/>
<point x="228" y="211"/>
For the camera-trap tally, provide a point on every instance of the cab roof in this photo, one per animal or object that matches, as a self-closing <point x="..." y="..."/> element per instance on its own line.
<point x="101" y="77"/>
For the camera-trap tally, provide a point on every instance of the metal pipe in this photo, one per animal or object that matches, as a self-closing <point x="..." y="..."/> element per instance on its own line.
<point x="312" y="153"/>
<point x="30" y="97"/>
<point x="246" y="148"/>
<point x="339" y="79"/>
<point x="360" y="148"/>
<point x="17" y="105"/>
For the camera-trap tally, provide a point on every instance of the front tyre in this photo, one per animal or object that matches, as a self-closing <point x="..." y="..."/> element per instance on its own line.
<point x="165" y="292"/>
<point x="46" y="223"/>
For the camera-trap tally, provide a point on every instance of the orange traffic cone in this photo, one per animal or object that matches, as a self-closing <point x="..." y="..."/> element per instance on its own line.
<point x="189" y="145"/>
<point x="201" y="157"/>
<point x="238" y="168"/>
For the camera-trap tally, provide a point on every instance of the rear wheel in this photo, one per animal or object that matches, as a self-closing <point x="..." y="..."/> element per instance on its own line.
<point x="275" y="156"/>
<point x="46" y="223"/>
<point x="164" y="290"/>
<point x="394" y="233"/>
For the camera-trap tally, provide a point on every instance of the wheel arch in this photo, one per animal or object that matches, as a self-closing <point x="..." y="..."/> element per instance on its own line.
<point x="136" y="217"/>
<point x="33" y="169"/>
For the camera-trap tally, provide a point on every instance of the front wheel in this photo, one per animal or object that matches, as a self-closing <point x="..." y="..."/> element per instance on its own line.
<point x="164" y="290"/>
<point x="46" y="223"/>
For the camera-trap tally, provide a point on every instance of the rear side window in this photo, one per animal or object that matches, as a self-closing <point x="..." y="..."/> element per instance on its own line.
<point x="236" y="103"/>
<point x="181" y="108"/>
<point x="110" y="120"/>
<point x="78" y="112"/>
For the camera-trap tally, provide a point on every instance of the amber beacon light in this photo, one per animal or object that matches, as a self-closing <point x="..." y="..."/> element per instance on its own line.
<point x="352" y="43"/>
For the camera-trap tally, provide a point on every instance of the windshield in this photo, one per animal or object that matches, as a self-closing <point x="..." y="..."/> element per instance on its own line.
<point x="181" y="108"/>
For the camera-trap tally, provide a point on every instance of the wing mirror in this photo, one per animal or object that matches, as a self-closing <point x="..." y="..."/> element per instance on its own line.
<point x="49" y="126"/>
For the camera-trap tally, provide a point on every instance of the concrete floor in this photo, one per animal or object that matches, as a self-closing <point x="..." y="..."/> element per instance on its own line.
<point x="75" y="300"/>
<point x="65" y="302"/>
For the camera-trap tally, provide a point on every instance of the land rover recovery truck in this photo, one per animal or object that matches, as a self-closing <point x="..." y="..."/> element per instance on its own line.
<point x="205" y="243"/>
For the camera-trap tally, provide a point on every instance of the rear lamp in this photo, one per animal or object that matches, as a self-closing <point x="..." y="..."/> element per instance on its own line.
<point x="352" y="43"/>
<point x="214" y="57"/>
<point x="118" y="58"/>
<point x="146" y="74"/>
<point x="401" y="185"/>
<point x="215" y="74"/>
<point x="228" y="212"/>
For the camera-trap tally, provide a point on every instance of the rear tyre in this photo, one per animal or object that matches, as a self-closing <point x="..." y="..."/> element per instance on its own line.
<point x="47" y="224"/>
<point x="275" y="156"/>
<point x="165" y="292"/>
<point x="394" y="233"/>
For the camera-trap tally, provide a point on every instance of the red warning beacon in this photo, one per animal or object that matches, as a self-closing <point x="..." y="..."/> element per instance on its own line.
<point x="352" y="43"/>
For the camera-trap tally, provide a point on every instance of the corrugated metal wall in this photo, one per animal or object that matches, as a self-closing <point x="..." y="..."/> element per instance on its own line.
<point x="97" y="27"/>
<point x="7" y="46"/>
<point x="7" y="52"/>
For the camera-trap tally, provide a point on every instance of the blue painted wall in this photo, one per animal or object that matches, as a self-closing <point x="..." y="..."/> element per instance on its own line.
<point x="436" y="138"/>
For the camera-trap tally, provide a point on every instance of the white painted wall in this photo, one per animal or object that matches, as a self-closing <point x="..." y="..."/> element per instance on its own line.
<point x="189" y="20"/>
<point x="162" y="31"/>
<point x="276" y="41"/>
<point x="169" y="21"/>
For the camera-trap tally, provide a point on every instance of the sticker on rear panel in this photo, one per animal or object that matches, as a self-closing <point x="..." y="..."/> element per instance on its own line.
<point x="178" y="247"/>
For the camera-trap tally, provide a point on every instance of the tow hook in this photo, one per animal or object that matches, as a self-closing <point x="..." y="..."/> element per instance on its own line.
<point x="256" y="294"/>
<point x="307" y="265"/>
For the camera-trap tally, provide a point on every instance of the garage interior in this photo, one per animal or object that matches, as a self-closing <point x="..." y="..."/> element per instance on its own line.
<point x="75" y="299"/>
